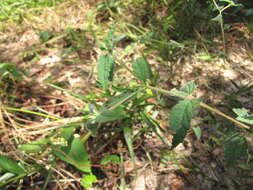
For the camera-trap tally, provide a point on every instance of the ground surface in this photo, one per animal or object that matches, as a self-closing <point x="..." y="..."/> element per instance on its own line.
<point x="192" y="165"/>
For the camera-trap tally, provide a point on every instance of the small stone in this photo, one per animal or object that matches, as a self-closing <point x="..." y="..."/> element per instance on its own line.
<point x="230" y="74"/>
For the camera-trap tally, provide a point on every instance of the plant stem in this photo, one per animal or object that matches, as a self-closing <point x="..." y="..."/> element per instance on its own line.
<point x="31" y="112"/>
<point x="221" y="23"/>
<point x="223" y="115"/>
<point x="201" y="104"/>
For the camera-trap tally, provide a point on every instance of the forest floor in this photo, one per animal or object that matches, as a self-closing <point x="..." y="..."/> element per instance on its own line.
<point x="61" y="46"/>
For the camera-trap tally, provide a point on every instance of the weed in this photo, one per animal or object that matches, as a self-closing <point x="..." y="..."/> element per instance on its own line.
<point x="121" y="109"/>
<point x="123" y="106"/>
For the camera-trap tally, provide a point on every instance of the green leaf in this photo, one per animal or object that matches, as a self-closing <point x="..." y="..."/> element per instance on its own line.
<point x="243" y="116"/>
<point x="182" y="113"/>
<point x="128" y="134"/>
<point x="67" y="133"/>
<point x="189" y="88"/>
<point x="246" y="119"/>
<point x="179" y="137"/>
<point x="7" y="69"/>
<point x="44" y="36"/>
<point x="185" y="90"/>
<point x="141" y="69"/>
<point x="35" y="146"/>
<point x="10" y="165"/>
<point x="5" y="177"/>
<point x="106" y="115"/>
<point x="119" y="99"/>
<point x="110" y="158"/>
<point x="105" y="70"/>
<point x="75" y="154"/>
<point x="235" y="148"/>
<point x="240" y="112"/>
<point x="87" y="180"/>
<point x="197" y="132"/>
<point x="180" y="118"/>
<point x="109" y="42"/>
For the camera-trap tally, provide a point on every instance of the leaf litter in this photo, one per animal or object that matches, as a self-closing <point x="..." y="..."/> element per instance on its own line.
<point x="165" y="169"/>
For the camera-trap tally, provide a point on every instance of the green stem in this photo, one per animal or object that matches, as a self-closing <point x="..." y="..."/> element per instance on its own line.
<point x="221" y="23"/>
<point x="31" y="112"/>
<point x="166" y="92"/>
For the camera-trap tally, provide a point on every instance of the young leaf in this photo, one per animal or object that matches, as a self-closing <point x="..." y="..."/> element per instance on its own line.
<point x="235" y="148"/>
<point x="87" y="180"/>
<point x="113" y="158"/>
<point x="10" y="165"/>
<point x="75" y="154"/>
<point x="240" y="112"/>
<point x="189" y="88"/>
<point x="182" y="113"/>
<point x="141" y="69"/>
<point x="109" y="42"/>
<point x="197" y="132"/>
<point x="44" y="36"/>
<point x="106" y="115"/>
<point x="105" y="70"/>
<point x="243" y="116"/>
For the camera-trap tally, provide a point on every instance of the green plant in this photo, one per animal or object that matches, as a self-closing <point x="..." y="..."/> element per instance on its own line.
<point x="219" y="18"/>
<point x="9" y="71"/>
<point x="125" y="105"/>
<point x="9" y="74"/>
<point x="11" y="171"/>
<point x="180" y="115"/>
